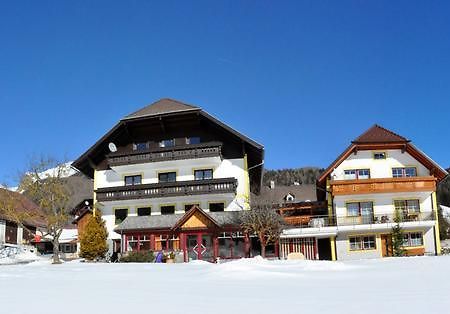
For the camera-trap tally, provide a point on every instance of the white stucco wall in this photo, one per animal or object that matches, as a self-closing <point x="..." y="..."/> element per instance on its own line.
<point x="383" y="203"/>
<point x="225" y="168"/>
<point x="2" y="231"/>
<point x="343" y="247"/>
<point x="379" y="168"/>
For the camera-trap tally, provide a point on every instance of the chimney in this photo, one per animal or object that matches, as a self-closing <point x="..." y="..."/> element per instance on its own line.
<point x="272" y="185"/>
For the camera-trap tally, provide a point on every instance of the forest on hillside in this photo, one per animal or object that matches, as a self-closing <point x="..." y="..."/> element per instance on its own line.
<point x="307" y="175"/>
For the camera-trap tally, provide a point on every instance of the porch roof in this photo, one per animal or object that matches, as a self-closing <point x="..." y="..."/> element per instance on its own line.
<point x="167" y="222"/>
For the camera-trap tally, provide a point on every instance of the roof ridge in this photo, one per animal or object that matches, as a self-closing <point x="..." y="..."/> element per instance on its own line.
<point x="370" y="135"/>
<point x="160" y="107"/>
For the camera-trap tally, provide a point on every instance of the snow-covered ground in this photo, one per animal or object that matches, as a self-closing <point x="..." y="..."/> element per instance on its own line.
<point x="403" y="285"/>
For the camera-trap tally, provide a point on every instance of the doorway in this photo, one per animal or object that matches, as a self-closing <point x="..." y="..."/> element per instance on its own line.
<point x="386" y="245"/>
<point x="199" y="246"/>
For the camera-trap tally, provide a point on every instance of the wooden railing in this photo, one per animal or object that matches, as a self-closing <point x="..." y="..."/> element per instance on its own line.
<point x="212" y="149"/>
<point x="383" y="185"/>
<point x="156" y="190"/>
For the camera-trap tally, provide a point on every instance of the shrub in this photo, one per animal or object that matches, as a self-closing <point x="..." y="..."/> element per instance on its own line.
<point x="138" y="257"/>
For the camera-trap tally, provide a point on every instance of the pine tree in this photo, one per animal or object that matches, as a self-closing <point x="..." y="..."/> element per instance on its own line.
<point x="397" y="236"/>
<point x="93" y="243"/>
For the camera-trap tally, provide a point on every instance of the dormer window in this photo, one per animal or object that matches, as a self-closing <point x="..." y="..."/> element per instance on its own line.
<point x="167" y="143"/>
<point x="355" y="174"/>
<point x="192" y="140"/>
<point x="140" y="146"/>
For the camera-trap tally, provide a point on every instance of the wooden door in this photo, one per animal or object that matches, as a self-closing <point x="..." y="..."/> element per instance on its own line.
<point x="386" y="245"/>
<point x="11" y="233"/>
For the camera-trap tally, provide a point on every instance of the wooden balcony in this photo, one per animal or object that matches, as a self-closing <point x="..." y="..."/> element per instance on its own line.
<point x="211" y="149"/>
<point x="157" y="190"/>
<point x="383" y="185"/>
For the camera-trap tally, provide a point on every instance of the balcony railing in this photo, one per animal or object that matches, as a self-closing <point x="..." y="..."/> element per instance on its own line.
<point x="156" y="190"/>
<point x="331" y="221"/>
<point x="383" y="185"/>
<point x="385" y="218"/>
<point x="212" y="149"/>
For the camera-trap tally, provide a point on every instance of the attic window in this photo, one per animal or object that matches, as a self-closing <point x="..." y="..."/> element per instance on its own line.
<point x="192" y="140"/>
<point x="167" y="143"/>
<point x="141" y="146"/>
<point x="379" y="155"/>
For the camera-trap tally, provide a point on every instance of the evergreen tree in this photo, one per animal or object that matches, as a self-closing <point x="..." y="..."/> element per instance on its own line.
<point x="397" y="236"/>
<point x="93" y="243"/>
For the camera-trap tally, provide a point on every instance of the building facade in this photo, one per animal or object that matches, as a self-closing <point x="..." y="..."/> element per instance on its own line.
<point x="380" y="175"/>
<point x="162" y="161"/>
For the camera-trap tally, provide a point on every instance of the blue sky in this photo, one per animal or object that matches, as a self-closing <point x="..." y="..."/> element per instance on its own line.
<point x="304" y="78"/>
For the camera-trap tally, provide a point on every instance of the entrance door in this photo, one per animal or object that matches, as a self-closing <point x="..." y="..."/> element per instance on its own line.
<point x="386" y="245"/>
<point x="199" y="247"/>
<point x="11" y="233"/>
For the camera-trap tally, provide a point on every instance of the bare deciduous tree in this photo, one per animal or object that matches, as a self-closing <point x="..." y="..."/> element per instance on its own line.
<point x="48" y="189"/>
<point x="265" y="222"/>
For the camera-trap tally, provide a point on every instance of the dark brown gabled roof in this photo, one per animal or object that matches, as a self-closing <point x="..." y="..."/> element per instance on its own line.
<point x="378" y="134"/>
<point x="161" y="107"/>
<point x="24" y="208"/>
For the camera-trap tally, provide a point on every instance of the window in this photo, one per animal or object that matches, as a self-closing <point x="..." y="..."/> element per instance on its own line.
<point x="132" y="243"/>
<point x="68" y="248"/>
<point x="167" y="209"/>
<point x="413" y="239"/>
<point x="216" y="207"/>
<point x="167" y="177"/>
<point x="133" y="180"/>
<point x="144" y="211"/>
<point x="404" y="172"/>
<point x="361" y="243"/>
<point x="188" y="207"/>
<point x="144" y="243"/>
<point x="120" y="215"/>
<point x="203" y="174"/>
<point x="357" y="174"/>
<point x="141" y="146"/>
<point x="167" y="143"/>
<point x="167" y="242"/>
<point x="192" y="140"/>
<point x="360" y="209"/>
<point x="407" y="206"/>
<point x="379" y="155"/>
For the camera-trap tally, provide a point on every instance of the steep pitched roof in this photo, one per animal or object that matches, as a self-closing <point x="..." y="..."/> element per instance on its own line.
<point x="162" y="106"/>
<point x="378" y="134"/>
<point x="24" y="207"/>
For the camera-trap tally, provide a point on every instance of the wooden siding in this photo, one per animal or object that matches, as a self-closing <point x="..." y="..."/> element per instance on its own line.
<point x="384" y="185"/>
<point x="197" y="221"/>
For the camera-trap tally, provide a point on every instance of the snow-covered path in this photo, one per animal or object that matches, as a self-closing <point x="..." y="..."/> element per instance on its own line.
<point x="403" y="285"/>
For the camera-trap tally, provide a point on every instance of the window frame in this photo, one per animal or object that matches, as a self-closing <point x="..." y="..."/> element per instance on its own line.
<point x="137" y="145"/>
<point x="203" y="174"/>
<point x="408" y="239"/>
<point x="189" y="140"/>
<point x="403" y="172"/>
<point x="115" y="216"/>
<point x="357" y="174"/>
<point x="133" y="176"/>
<point x="359" y="208"/>
<point x="168" y="205"/>
<point x="216" y="203"/>
<point x="379" y="153"/>
<point x="164" y="143"/>
<point x="360" y="242"/>
<point x="143" y="207"/>
<point x="167" y="173"/>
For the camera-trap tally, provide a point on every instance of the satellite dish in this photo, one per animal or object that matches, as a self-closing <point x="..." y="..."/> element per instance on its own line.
<point x="112" y="147"/>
